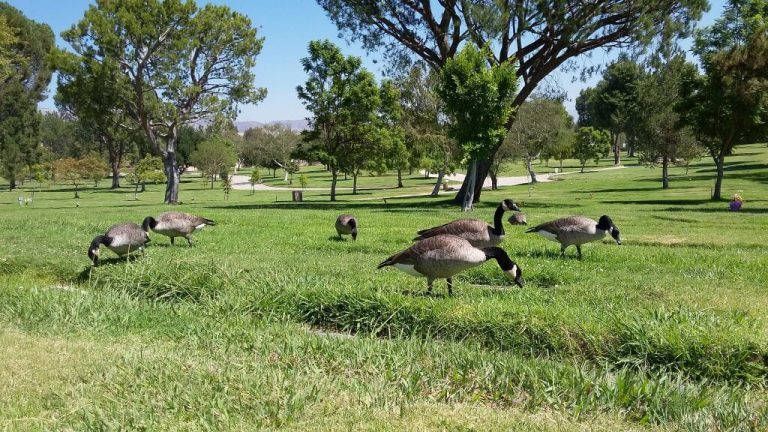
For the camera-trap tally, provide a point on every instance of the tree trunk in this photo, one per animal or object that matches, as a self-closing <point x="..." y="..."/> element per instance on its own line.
<point x="334" y="178"/>
<point x="436" y="189"/>
<point x="12" y="184"/>
<point x="561" y="165"/>
<point x="345" y="175"/>
<point x="482" y="172"/>
<point x="469" y="198"/>
<point x="399" y="178"/>
<point x="136" y="192"/>
<point x="143" y="186"/>
<point x="616" y="148"/>
<point x="494" y="181"/>
<point x="354" y="183"/>
<point x="213" y="179"/>
<point x="582" y="166"/>
<point x="665" y="173"/>
<point x="172" y="175"/>
<point x="720" y="163"/>
<point x="115" y="174"/>
<point x="285" y="175"/>
<point x="77" y="192"/>
<point x="529" y="167"/>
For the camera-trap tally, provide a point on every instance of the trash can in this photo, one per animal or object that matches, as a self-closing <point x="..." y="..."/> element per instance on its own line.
<point x="297" y="196"/>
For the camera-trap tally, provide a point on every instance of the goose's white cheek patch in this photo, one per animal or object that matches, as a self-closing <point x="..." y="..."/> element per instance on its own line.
<point x="547" y="235"/>
<point x="406" y="268"/>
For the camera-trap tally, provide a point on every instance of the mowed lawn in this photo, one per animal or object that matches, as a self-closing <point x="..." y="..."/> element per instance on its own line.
<point x="270" y="322"/>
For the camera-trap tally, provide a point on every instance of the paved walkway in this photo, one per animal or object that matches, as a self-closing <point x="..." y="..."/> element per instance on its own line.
<point x="241" y="182"/>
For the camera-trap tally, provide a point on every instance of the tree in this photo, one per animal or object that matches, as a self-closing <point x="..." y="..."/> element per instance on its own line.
<point x="540" y="122"/>
<point x="726" y="105"/>
<point x="268" y="146"/>
<point x="479" y="100"/>
<point x="102" y="117"/>
<point x="425" y="139"/>
<point x="591" y="144"/>
<point x="93" y="168"/>
<point x="8" y="55"/>
<point x="213" y="156"/>
<point x="343" y="98"/>
<point x="69" y="170"/>
<point x="659" y="132"/>
<point x="614" y="103"/>
<point x="562" y="148"/>
<point x="148" y="169"/>
<point x="539" y="36"/>
<point x="173" y="64"/>
<point x="255" y="179"/>
<point x="63" y="136"/>
<point x="26" y="73"/>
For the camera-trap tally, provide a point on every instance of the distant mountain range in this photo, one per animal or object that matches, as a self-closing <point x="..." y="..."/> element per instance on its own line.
<point x="295" y="125"/>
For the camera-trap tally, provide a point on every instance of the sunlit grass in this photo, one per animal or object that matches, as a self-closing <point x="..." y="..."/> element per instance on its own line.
<point x="668" y="329"/>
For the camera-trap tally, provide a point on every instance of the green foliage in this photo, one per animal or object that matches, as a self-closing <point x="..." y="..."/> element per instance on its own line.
<point x="726" y="105"/>
<point x="591" y="144"/>
<point x="304" y="181"/>
<point x="70" y="170"/>
<point x="538" y="37"/>
<point x="347" y="110"/>
<point x="94" y="168"/>
<point x="539" y="123"/>
<point x="479" y="100"/>
<point x="268" y="146"/>
<point x="25" y="73"/>
<point x="213" y="156"/>
<point x="147" y="170"/>
<point x="660" y="135"/>
<point x="177" y="64"/>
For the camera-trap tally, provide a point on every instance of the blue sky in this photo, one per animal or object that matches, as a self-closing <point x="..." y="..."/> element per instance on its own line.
<point x="288" y="26"/>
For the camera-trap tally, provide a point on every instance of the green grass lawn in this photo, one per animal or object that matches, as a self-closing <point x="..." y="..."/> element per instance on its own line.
<point x="270" y="322"/>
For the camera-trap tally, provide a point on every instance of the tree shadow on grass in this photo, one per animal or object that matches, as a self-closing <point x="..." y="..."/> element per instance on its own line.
<point x="675" y="201"/>
<point x="724" y="211"/>
<point x="341" y="205"/>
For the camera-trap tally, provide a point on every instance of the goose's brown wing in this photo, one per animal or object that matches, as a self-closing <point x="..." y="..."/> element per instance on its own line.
<point x="460" y="227"/>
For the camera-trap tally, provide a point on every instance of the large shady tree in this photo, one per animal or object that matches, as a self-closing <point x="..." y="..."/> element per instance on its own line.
<point x="727" y="105"/>
<point x="24" y="75"/>
<point x="173" y="63"/>
<point x="538" y="35"/>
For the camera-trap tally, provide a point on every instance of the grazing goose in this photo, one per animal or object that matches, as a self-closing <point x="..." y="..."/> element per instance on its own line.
<point x="517" y="219"/>
<point x="477" y="232"/>
<point x="345" y="225"/>
<point x="121" y="239"/>
<point x="443" y="256"/>
<point x="176" y="224"/>
<point x="576" y="230"/>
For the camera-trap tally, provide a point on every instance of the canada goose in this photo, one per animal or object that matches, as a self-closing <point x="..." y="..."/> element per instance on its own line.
<point x="517" y="219"/>
<point x="576" y="230"/>
<point x="477" y="232"/>
<point x="346" y="224"/>
<point x="443" y="256"/>
<point x="121" y="239"/>
<point x="176" y="224"/>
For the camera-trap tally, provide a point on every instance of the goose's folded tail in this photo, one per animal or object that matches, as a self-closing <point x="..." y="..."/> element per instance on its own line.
<point x="387" y="262"/>
<point x="208" y="222"/>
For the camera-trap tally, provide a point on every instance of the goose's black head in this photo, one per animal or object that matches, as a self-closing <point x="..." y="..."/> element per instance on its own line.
<point x="93" y="249"/>
<point x="510" y="268"/>
<point x="149" y="222"/>
<point x="353" y="223"/>
<point x="606" y="224"/>
<point x="509" y="205"/>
